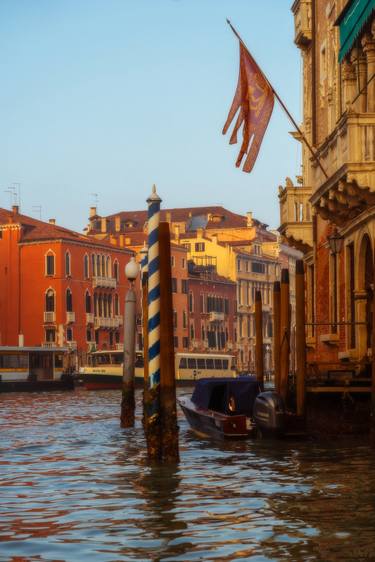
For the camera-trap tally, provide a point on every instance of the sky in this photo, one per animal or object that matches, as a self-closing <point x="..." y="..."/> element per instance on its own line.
<point x="100" y="99"/>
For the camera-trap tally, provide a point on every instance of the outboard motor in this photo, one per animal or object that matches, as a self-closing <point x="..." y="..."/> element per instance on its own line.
<point x="269" y="413"/>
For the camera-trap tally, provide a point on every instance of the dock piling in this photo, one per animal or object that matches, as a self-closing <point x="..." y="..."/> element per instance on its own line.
<point x="284" y="333"/>
<point x="259" y="366"/>
<point x="168" y="408"/>
<point x="276" y="334"/>
<point x="300" y="337"/>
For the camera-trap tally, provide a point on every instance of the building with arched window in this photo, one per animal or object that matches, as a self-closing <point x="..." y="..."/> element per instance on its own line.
<point x="56" y="285"/>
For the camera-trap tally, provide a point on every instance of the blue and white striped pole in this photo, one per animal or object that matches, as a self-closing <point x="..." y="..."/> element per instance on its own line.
<point x="153" y="290"/>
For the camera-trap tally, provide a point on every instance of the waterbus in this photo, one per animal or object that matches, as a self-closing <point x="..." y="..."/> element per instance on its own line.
<point x="104" y="369"/>
<point x="33" y="368"/>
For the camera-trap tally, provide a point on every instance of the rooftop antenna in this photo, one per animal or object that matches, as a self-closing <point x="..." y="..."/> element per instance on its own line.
<point x="95" y="199"/>
<point x="37" y="209"/>
<point x="17" y="187"/>
<point x="13" y="195"/>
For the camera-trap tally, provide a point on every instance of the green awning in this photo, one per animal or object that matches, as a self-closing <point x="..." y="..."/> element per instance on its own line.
<point x="351" y="21"/>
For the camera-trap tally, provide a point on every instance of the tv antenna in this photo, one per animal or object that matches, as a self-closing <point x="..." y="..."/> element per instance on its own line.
<point x="13" y="194"/>
<point x="95" y="199"/>
<point x="37" y="209"/>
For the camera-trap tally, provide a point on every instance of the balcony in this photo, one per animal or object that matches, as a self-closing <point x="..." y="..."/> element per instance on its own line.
<point x="106" y="323"/>
<point x="72" y="345"/>
<point x="348" y="156"/>
<point x="89" y="318"/>
<point x="70" y="317"/>
<point x="49" y="317"/>
<point x="216" y="317"/>
<point x="119" y="321"/>
<point x="302" y="23"/>
<point x="49" y="344"/>
<point x="295" y="216"/>
<point x="119" y="346"/>
<point x="104" y="282"/>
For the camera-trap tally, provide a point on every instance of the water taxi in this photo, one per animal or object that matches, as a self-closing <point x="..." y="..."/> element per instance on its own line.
<point x="25" y="369"/>
<point x="104" y="369"/>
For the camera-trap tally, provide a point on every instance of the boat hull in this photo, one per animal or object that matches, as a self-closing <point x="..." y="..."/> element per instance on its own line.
<point x="37" y="386"/>
<point x="209" y="423"/>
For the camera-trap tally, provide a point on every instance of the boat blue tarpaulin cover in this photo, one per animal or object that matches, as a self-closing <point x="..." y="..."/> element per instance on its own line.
<point x="215" y="393"/>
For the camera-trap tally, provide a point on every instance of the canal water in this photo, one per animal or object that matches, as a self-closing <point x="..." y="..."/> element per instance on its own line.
<point x="74" y="486"/>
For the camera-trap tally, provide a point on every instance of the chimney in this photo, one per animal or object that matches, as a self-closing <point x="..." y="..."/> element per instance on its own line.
<point x="121" y="240"/>
<point x="52" y="221"/>
<point x="103" y="225"/>
<point x="168" y="217"/>
<point x="177" y="232"/>
<point x="249" y="217"/>
<point x="127" y="241"/>
<point x="15" y="209"/>
<point x="117" y="224"/>
<point x="92" y="212"/>
<point x="214" y="238"/>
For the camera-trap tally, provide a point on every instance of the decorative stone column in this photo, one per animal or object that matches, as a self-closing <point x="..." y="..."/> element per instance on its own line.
<point x="368" y="44"/>
<point x="358" y="59"/>
<point x="349" y="82"/>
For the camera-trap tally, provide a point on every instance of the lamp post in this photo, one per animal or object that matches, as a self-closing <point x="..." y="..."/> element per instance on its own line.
<point x="335" y="241"/>
<point x="128" y="402"/>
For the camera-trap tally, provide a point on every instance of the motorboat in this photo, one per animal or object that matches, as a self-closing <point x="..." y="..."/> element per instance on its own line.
<point x="233" y="408"/>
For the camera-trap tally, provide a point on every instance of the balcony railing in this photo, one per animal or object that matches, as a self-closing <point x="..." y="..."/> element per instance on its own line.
<point x="101" y="322"/>
<point x="348" y="156"/>
<point x="48" y="344"/>
<point x="295" y="215"/>
<point x="216" y="317"/>
<point x="71" y="345"/>
<point x="104" y="282"/>
<point x="119" y="346"/>
<point x="89" y="317"/>
<point x="49" y="317"/>
<point x="302" y="22"/>
<point x="70" y="317"/>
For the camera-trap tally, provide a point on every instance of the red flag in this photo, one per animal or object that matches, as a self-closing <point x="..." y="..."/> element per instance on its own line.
<point x="254" y="99"/>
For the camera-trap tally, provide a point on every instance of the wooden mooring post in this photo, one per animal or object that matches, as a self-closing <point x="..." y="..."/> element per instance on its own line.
<point x="168" y="409"/>
<point x="284" y="333"/>
<point x="152" y="403"/>
<point x="372" y="415"/>
<point x="276" y="334"/>
<point x="300" y="338"/>
<point x="144" y="290"/>
<point x="259" y="365"/>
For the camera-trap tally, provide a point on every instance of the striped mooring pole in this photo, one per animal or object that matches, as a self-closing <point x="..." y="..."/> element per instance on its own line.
<point x="144" y="291"/>
<point x="152" y="404"/>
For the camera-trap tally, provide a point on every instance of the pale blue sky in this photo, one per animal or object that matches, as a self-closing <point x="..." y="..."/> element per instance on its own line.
<point x="111" y="96"/>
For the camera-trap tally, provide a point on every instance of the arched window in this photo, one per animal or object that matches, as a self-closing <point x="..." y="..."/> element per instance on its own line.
<point x="50" y="301"/>
<point x="100" y="302"/>
<point x="93" y="264"/>
<point x="116" y="270"/>
<point x="109" y="272"/>
<point x="103" y="267"/>
<point x="86" y="266"/>
<point x="69" y="301"/>
<point x="116" y="305"/>
<point x="96" y="309"/>
<point x="67" y="264"/>
<point x="88" y="302"/>
<point x="98" y="269"/>
<point x="110" y="311"/>
<point x="50" y="263"/>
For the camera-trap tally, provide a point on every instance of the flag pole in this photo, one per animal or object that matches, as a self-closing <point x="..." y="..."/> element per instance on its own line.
<point x="313" y="153"/>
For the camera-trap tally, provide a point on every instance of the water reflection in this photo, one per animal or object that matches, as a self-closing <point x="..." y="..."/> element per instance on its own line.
<point x="75" y="486"/>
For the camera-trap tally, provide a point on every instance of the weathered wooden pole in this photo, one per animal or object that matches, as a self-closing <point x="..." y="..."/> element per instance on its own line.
<point x="372" y="418"/>
<point x="168" y="408"/>
<point x="300" y="338"/>
<point x="144" y="291"/>
<point x="276" y="334"/>
<point x="128" y="401"/>
<point x="259" y="367"/>
<point x="153" y="431"/>
<point x="284" y="333"/>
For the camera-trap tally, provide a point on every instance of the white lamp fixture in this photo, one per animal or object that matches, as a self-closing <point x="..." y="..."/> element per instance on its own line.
<point x="131" y="269"/>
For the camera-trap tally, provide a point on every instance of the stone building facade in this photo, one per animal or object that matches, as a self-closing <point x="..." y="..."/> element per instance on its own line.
<point x="330" y="213"/>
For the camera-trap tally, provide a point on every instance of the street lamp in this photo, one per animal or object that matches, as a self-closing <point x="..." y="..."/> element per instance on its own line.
<point x="335" y="242"/>
<point x="128" y="402"/>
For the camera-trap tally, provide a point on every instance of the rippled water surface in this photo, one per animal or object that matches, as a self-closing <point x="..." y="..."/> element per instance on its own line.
<point x="75" y="486"/>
